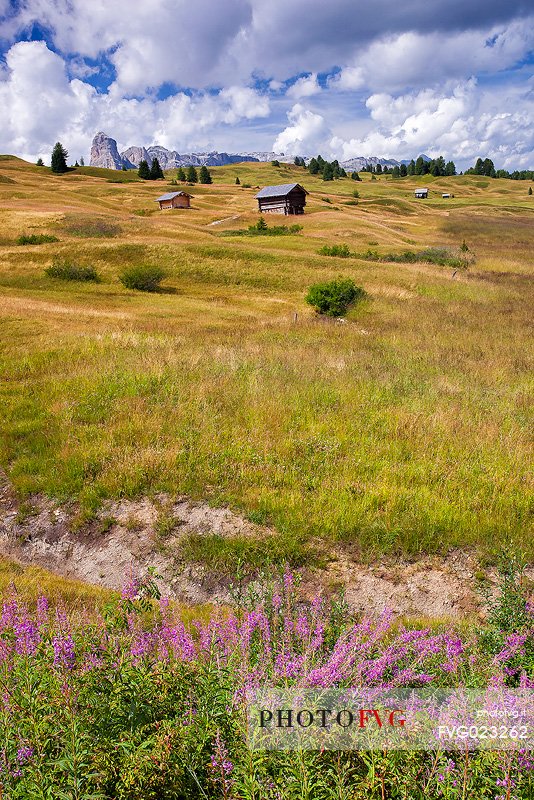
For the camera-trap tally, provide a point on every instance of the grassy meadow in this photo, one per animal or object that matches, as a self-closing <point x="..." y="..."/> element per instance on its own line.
<point x="405" y="430"/>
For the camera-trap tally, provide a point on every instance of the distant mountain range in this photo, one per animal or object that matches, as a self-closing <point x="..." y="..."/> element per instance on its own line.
<point x="105" y="153"/>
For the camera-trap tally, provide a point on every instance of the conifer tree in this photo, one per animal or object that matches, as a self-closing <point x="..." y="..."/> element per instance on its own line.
<point x="180" y="175"/>
<point x="144" y="170"/>
<point x="192" y="176"/>
<point x="156" y="173"/>
<point x="59" y="159"/>
<point x="237" y="181"/>
<point x="39" y="162"/>
<point x="328" y="172"/>
<point x="204" y="175"/>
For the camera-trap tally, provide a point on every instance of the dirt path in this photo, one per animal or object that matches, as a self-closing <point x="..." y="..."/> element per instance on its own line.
<point x="220" y="221"/>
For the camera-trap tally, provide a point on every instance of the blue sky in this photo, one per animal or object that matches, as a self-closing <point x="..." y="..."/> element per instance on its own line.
<point x="345" y="78"/>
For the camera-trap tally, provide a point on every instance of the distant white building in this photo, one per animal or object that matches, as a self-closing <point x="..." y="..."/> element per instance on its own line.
<point x="421" y="193"/>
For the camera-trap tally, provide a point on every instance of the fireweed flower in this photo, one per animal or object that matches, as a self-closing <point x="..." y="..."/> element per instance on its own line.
<point x="26" y="637"/>
<point x="131" y="589"/>
<point x="220" y="760"/>
<point x="64" y="655"/>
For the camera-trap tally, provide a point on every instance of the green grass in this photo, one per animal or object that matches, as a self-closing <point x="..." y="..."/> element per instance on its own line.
<point x="36" y="238"/>
<point x="407" y="430"/>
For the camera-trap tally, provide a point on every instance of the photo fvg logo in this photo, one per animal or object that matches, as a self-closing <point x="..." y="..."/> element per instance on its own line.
<point x="370" y="718"/>
<point x="328" y="717"/>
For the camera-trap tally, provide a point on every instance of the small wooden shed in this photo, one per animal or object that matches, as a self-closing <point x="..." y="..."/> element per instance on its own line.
<point x="174" y="200"/>
<point x="421" y="193"/>
<point x="286" y="198"/>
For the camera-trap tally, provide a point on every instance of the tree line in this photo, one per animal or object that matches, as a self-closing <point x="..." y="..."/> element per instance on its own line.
<point x="486" y="167"/>
<point x="332" y="170"/>
<point x="154" y="172"/>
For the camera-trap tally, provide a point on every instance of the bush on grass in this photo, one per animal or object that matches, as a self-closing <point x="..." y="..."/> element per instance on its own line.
<point x="36" y="238"/>
<point x="334" y="298"/>
<point x="144" y="278"/>
<point x="339" y="250"/>
<point x="68" y="271"/>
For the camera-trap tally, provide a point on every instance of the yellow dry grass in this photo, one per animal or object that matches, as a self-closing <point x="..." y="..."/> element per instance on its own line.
<point x="405" y="430"/>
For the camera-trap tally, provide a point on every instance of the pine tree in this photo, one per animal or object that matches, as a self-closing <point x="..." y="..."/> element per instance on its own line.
<point x="411" y="167"/>
<point x="489" y="168"/>
<point x="355" y="176"/>
<point x="82" y="162"/>
<point x="275" y="163"/>
<point x="237" y="181"/>
<point x="328" y="172"/>
<point x="313" y="166"/>
<point x="180" y="175"/>
<point x="450" y="168"/>
<point x="530" y="191"/>
<point x="192" y="176"/>
<point x="144" y="170"/>
<point x="156" y="173"/>
<point x="59" y="159"/>
<point x="204" y="175"/>
<point x="403" y="170"/>
<point x="39" y="162"/>
<point x="396" y="172"/>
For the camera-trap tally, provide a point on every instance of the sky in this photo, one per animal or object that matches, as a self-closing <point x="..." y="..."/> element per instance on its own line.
<point x="342" y="78"/>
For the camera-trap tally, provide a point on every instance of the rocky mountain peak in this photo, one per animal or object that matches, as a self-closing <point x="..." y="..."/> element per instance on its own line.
<point x="104" y="152"/>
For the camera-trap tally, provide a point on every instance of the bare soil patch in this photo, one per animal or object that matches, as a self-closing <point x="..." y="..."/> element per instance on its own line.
<point x="127" y="537"/>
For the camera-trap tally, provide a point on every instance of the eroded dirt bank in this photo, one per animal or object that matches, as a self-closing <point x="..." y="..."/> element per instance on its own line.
<point x="127" y="537"/>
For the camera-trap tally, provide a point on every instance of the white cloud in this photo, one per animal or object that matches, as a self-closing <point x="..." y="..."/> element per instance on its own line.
<point x="420" y="59"/>
<point x="463" y="124"/>
<point x="304" y="87"/>
<point x="41" y="105"/>
<point x="305" y="134"/>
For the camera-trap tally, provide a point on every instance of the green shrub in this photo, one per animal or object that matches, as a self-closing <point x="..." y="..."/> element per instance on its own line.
<point x="339" y="250"/>
<point x="441" y="256"/>
<point x="334" y="298"/>
<point x="67" y="271"/>
<point x="143" y="278"/>
<point x="36" y="238"/>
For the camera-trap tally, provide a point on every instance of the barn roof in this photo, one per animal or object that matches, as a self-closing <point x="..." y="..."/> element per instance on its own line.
<point x="280" y="190"/>
<point x="170" y="195"/>
<point x="420" y="190"/>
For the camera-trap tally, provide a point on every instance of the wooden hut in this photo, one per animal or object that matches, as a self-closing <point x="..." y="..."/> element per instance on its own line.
<point x="421" y="193"/>
<point x="174" y="200"/>
<point x="286" y="198"/>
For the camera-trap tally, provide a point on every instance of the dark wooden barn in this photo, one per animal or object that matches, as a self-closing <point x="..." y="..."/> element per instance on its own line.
<point x="287" y="198"/>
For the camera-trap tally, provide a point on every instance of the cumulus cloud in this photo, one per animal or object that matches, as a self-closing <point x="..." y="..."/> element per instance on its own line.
<point x="304" y="87"/>
<point x="40" y="104"/>
<point x="463" y="124"/>
<point x="415" y="59"/>
<point x="394" y="78"/>
<point x="306" y="133"/>
<point x="210" y="42"/>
